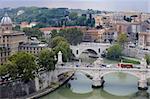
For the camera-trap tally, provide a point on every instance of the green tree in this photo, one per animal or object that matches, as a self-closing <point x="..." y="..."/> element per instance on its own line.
<point x="122" y="39"/>
<point x="17" y="28"/>
<point x="57" y="40"/>
<point x="147" y="57"/>
<point x="114" y="52"/>
<point x="33" y="32"/>
<point x="73" y="15"/>
<point x="54" y="33"/>
<point x="3" y="70"/>
<point x="22" y="65"/>
<point x="65" y="49"/>
<point x="46" y="60"/>
<point x="74" y="36"/>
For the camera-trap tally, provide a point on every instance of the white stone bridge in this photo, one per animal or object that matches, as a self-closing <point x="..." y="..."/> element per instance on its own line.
<point x="98" y="48"/>
<point x="97" y="73"/>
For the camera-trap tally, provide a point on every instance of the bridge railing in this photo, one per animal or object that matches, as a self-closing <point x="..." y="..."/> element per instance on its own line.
<point x="102" y="69"/>
<point x="94" y="44"/>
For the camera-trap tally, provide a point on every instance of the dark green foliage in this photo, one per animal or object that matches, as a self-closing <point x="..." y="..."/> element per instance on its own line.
<point x="48" y="17"/>
<point x="130" y="61"/>
<point x="56" y="40"/>
<point x="114" y="52"/>
<point x="32" y="32"/>
<point x="46" y="60"/>
<point x="21" y="66"/>
<point x="73" y="36"/>
<point x="147" y="57"/>
<point x="61" y="44"/>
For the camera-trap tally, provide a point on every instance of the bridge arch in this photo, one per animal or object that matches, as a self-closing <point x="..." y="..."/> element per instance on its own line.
<point x="125" y="72"/>
<point x="96" y="47"/>
<point x="78" y="52"/>
<point x="82" y="71"/>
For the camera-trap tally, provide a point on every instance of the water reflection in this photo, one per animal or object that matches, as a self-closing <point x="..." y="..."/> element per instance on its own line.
<point x="120" y="84"/>
<point x="114" y="88"/>
<point x="117" y="86"/>
<point x="81" y="84"/>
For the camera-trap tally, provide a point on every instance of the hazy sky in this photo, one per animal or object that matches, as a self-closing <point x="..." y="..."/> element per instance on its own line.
<point x="111" y="5"/>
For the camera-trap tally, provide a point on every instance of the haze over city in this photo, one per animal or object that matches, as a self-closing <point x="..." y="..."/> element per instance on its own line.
<point x="109" y="5"/>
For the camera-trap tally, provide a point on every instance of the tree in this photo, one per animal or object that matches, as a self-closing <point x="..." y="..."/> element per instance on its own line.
<point x="33" y="32"/>
<point x="22" y="65"/>
<point x="46" y="60"/>
<point x="147" y="57"/>
<point x="65" y="49"/>
<point x="61" y="44"/>
<point x="3" y="70"/>
<point x="57" y="40"/>
<point x="54" y="33"/>
<point x="73" y="15"/>
<point x="114" y="52"/>
<point x="74" y="36"/>
<point x="122" y="39"/>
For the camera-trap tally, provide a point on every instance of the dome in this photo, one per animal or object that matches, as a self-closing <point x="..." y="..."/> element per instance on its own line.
<point x="6" y="20"/>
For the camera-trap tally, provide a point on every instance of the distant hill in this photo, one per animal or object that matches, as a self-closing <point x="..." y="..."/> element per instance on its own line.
<point x="47" y="16"/>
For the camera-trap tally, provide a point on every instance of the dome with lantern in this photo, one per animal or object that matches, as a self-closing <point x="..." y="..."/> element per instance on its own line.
<point x="6" y="20"/>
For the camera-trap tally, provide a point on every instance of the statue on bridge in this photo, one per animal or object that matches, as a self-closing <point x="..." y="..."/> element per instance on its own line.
<point x="143" y="63"/>
<point x="59" y="61"/>
<point x="98" y="62"/>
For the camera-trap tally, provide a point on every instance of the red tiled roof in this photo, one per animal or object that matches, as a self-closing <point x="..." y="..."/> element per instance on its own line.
<point x="59" y="28"/>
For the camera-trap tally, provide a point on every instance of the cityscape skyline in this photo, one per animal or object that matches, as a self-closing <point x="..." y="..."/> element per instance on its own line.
<point x="111" y="5"/>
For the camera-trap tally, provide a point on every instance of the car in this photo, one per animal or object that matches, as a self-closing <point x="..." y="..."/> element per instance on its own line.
<point x="110" y="65"/>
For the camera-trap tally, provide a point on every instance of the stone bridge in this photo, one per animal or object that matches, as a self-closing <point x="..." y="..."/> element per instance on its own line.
<point x="96" y="47"/>
<point x="97" y="73"/>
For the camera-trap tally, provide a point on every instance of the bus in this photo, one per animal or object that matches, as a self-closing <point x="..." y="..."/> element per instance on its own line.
<point x="125" y="65"/>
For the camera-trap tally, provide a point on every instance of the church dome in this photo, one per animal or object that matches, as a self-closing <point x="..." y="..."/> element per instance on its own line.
<point x="6" y="20"/>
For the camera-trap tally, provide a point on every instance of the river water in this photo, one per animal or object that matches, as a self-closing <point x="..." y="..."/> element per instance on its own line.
<point x="116" y="86"/>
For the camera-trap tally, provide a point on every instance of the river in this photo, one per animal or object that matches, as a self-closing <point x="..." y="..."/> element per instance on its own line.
<point x="116" y="86"/>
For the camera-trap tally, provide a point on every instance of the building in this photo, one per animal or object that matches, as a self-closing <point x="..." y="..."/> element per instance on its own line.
<point x="27" y="24"/>
<point x="48" y="30"/>
<point x="33" y="48"/>
<point x="9" y="39"/>
<point x="4" y="54"/>
<point x="99" y="35"/>
<point x="144" y="39"/>
<point x="13" y="41"/>
<point x="102" y="20"/>
<point x="91" y="35"/>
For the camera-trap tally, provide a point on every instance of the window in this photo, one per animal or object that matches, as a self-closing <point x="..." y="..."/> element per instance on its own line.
<point x="99" y="50"/>
<point x="77" y="52"/>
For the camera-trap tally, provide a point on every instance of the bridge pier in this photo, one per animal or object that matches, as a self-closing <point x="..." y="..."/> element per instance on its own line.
<point x="142" y="85"/>
<point x="97" y="82"/>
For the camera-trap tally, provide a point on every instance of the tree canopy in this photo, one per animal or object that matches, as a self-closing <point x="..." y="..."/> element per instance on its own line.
<point x="61" y="44"/>
<point x="122" y="38"/>
<point x="33" y="32"/>
<point x="114" y="52"/>
<point x="21" y="65"/>
<point x="56" y="40"/>
<point x="73" y="36"/>
<point x="46" y="59"/>
<point x="147" y="57"/>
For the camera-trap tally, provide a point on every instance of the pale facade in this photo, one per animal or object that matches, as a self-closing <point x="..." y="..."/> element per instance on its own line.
<point x="9" y="39"/>
<point x="144" y="39"/>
